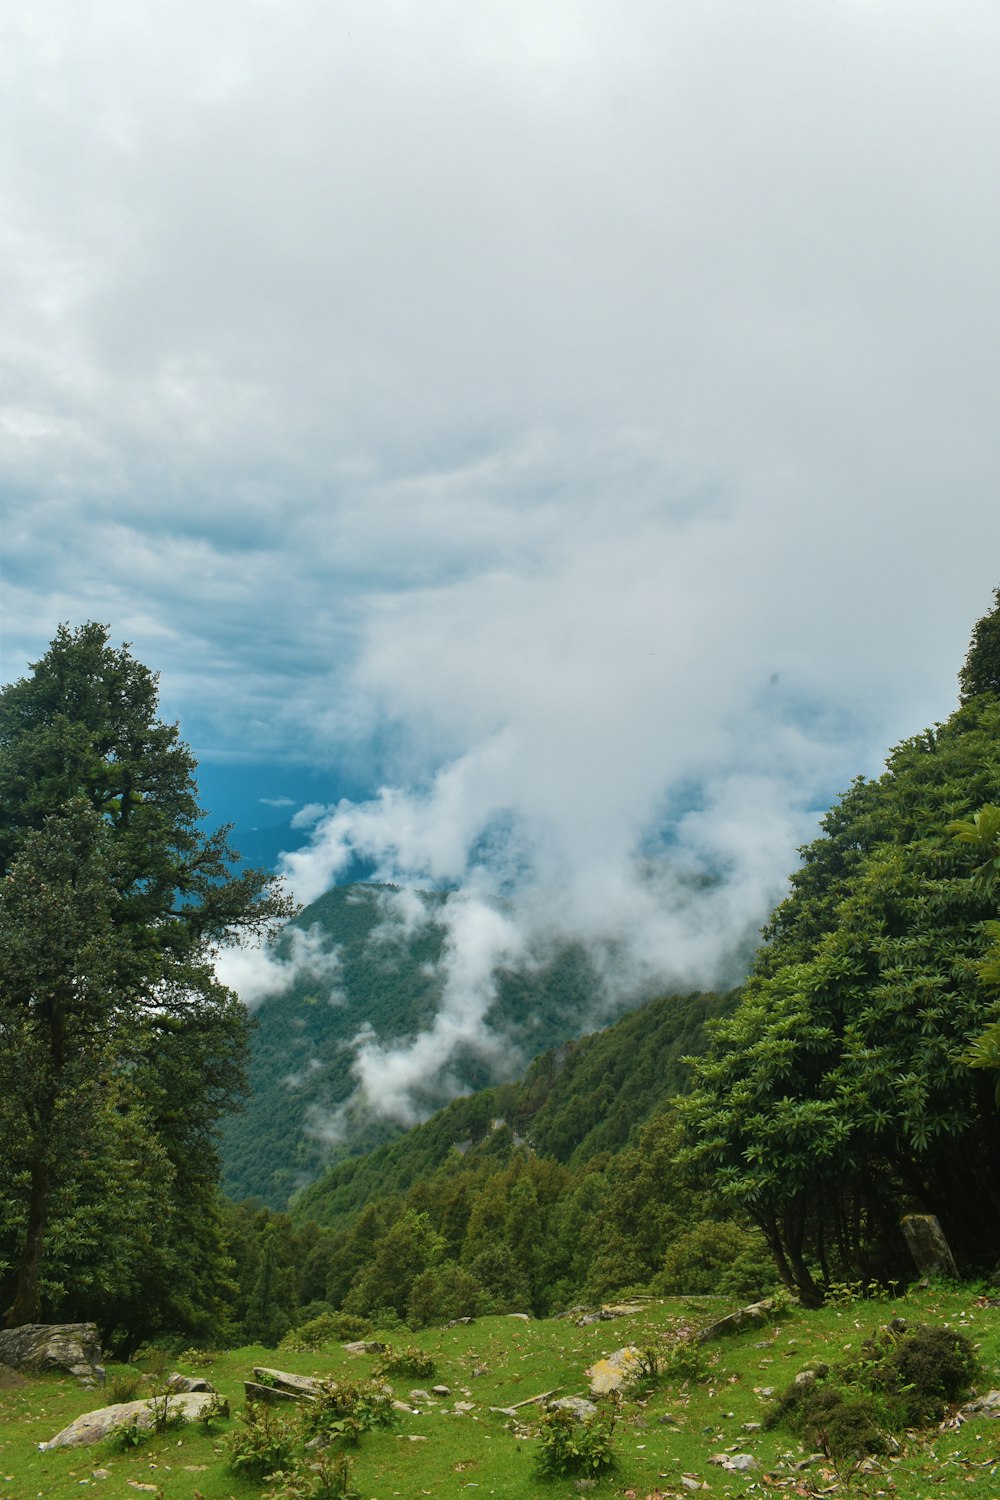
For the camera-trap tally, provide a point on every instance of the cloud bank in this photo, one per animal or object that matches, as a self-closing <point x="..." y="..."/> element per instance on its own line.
<point x="573" y="424"/>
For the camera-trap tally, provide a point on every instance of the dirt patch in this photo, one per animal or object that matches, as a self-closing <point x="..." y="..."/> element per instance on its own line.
<point x="10" y="1378"/>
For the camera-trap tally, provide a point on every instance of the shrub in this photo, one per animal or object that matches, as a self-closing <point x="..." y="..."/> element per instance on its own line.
<point x="263" y="1444"/>
<point x="123" y="1385"/>
<point x="329" y="1476"/>
<point x="441" y="1293"/>
<point x="845" y="1425"/>
<point x="570" y="1446"/>
<point x="726" y="1258"/>
<point x="328" y="1328"/>
<point x="408" y="1361"/>
<point x="344" y="1409"/>
<point x="922" y="1369"/>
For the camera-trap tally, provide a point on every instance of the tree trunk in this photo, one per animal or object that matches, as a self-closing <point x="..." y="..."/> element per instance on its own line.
<point x="27" y="1304"/>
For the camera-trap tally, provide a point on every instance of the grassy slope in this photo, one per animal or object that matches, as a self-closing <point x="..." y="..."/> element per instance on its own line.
<point x="577" y="1100"/>
<point x="672" y="1431"/>
<point x="299" y="1061"/>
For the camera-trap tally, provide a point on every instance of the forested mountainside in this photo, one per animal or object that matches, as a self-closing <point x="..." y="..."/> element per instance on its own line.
<point x="300" y="1055"/>
<point x="577" y="1101"/>
<point x="853" y="1081"/>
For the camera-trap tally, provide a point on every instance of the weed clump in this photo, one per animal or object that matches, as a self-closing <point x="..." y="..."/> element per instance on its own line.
<point x="408" y="1361"/>
<point x="569" y="1445"/>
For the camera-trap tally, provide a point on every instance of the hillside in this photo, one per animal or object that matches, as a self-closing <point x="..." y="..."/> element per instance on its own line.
<point x="300" y="1064"/>
<point x="580" y="1099"/>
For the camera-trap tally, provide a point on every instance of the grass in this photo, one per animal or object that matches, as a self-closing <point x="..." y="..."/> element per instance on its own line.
<point x="666" y="1436"/>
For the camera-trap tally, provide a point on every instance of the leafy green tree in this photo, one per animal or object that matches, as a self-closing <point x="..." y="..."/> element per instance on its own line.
<point x="838" y="1094"/>
<point x="113" y="905"/>
<point x="981" y="672"/>
<point x="408" y="1248"/>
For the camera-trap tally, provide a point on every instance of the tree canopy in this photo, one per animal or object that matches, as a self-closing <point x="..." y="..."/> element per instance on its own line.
<point x="120" y="1049"/>
<point x="839" y="1094"/>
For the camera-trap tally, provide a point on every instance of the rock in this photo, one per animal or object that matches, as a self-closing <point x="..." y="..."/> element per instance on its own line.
<point x="283" y="1380"/>
<point x="267" y="1395"/>
<point x="366" y="1346"/>
<point x="35" y="1347"/>
<point x="736" y="1463"/>
<point x="982" y="1406"/>
<point x="441" y="1390"/>
<point x="95" y="1425"/>
<point x="464" y="1406"/>
<point x="805" y="1377"/>
<point x="181" y="1383"/>
<point x="582" y="1409"/>
<point x="619" y="1369"/>
<point x="757" y="1312"/>
<point x="926" y="1243"/>
<point x="525" y="1316"/>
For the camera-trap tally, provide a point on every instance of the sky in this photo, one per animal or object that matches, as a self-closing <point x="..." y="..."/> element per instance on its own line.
<point x="546" y="450"/>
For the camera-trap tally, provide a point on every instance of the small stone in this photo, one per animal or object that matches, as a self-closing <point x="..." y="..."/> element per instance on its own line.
<point x="441" y="1390"/>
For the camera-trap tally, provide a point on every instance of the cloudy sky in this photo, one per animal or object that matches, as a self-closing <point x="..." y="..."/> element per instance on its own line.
<point x="538" y="437"/>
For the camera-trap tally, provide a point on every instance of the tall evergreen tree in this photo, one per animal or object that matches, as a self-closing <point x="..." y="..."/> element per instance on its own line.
<point x="113" y="904"/>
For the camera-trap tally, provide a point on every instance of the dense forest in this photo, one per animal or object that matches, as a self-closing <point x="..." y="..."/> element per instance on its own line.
<point x="702" y="1143"/>
<point x="368" y="975"/>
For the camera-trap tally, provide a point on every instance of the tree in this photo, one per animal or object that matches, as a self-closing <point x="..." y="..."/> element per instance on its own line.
<point x="113" y="904"/>
<point x="981" y="672"/>
<point x="839" y="1092"/>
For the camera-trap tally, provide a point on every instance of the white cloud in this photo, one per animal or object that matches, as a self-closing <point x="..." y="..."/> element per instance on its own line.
<point x="258" y="974"/>
<point x="552" y="414"/>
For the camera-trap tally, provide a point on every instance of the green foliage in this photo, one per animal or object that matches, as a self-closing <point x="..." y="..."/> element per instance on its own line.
<point x="981" y="671"/>
<point x="408" y="1361"/>
<point x="121" y="1386"/>
<point x="407" y="1249"/>
<point x="329" y="1328"/>
<point x="113" y="902"/>
<point x="567" y="1445"/>
<point x="922" y="1369"/>
<point x="728" y="1259"/>
<point x="324" y="1476"/>
<point x="903" y="1379"/>
<point x="263" y="1443"/>
<point x="838" y="1093"/>
<point x="344" y="1409"/>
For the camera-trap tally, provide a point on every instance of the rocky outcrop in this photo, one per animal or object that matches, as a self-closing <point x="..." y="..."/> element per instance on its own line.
<point x="36" y="1347"/>
<point x="275" y="1386"/>
<point x="744" y="1317"/>
<point x="95" y="1425"/>
<point x="926" y="1243"/>
<point x="619" y="1369"/>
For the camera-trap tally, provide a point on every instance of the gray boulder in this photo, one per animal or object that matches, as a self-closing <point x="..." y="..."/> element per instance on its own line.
<point x="95" y="1425"/>
<point x="36" y="1347"/>
<point x="745" y="1317"/>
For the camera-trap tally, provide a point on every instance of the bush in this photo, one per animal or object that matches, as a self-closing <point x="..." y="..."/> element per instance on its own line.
<point x="263" y="1444"/>
<point x="328" y="1328"/>
<point x="124" y="1385"/>
<point x="904" y="1379"/>
<point x="845" y="1425"/>
<point x="408" y="1361"/>
<point x="327" y="1477"/>
<point x="344" y="1409"/>
<point x="570" y="1446"/>
<point x="922" y="1369"/>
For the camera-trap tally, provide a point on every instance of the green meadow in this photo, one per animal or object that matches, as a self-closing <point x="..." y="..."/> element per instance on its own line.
<point x="670" y="1432"/>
